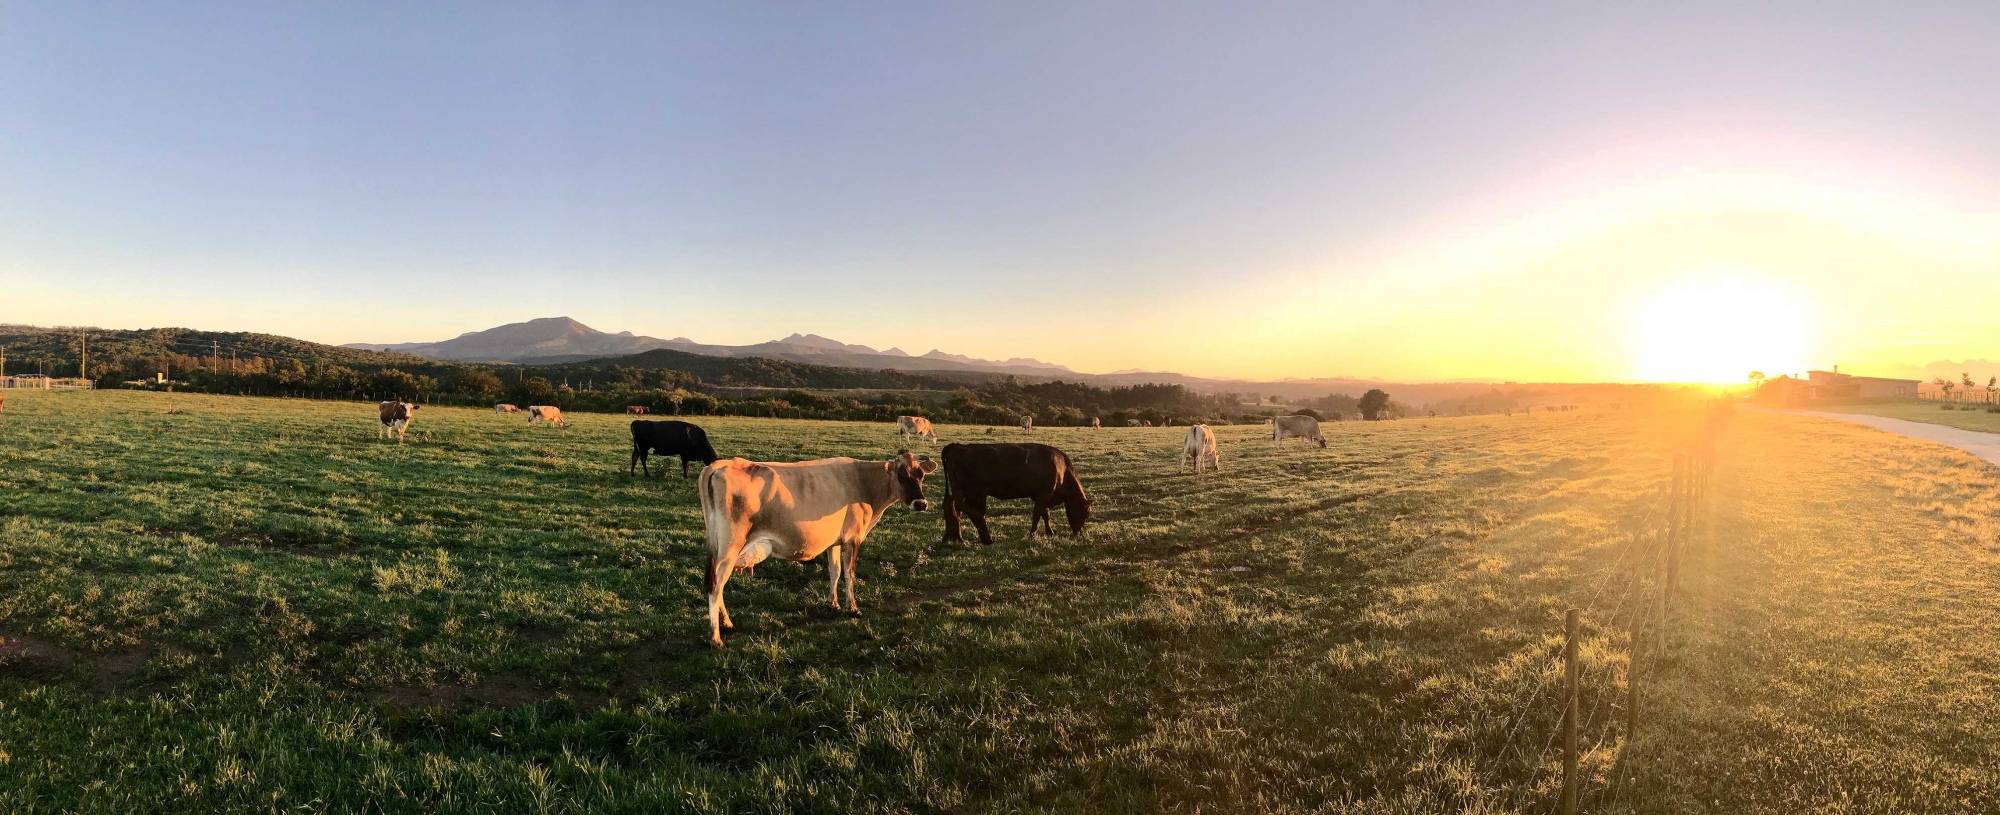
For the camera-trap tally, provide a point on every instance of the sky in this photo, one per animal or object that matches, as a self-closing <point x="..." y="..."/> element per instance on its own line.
<point x="1555" y="192"/>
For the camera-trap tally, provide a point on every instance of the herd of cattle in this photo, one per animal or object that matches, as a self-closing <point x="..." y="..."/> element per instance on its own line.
<point x="753" y="510"/>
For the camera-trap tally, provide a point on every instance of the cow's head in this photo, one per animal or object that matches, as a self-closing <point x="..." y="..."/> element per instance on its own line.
<point x="1076" y="508"/>
<point x="908" y="472"/>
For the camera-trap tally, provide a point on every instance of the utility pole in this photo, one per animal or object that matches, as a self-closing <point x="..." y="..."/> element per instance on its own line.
<point x="83" y="369"/>
<point x="215" y="357"/>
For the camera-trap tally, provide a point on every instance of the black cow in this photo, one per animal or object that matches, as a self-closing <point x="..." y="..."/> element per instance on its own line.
<point x="670" y="438"/>
<point x="1038" y="472"/>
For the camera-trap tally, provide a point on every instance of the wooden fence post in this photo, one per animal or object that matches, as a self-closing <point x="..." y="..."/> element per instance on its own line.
<point x="1676" y="527"/>
<point x="1570" y="668"/>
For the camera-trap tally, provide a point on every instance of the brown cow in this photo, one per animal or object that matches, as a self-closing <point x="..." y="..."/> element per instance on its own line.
<point x="918" y="426"/>
<point x="546" y="413"/>
<point x="754" y="510"/>
<point x="396" y="418"/>
<point x="1037" y="472"/>
<point x="506" y="408"/>
<point x="636" y="410"/>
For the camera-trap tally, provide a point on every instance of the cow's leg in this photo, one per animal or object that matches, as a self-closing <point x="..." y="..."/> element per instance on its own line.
<point x="953" y="530"/>
<point x="853" y="552"/>
<point x="833" y="564"/>
<point x="975" y="508"/>
<point x="718" y="576"/>
<point x="684" y="465"/>
<point x="1038" y="516"/>
<point x="638" y="460"/>
<point x="720" y="567"/>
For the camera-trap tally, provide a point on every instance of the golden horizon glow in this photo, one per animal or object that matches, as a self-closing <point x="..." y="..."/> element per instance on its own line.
<point x="1715" y="329"/>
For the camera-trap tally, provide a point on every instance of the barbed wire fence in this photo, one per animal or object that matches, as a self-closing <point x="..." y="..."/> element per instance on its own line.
<point x="1634" y="601"/>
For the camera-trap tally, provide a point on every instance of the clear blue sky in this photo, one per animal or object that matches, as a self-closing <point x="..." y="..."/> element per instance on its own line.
<point x="1092" y="183"/>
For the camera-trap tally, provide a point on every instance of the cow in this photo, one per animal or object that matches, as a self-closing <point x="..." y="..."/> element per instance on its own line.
<point x="506" y="408"/>
<point x="918" y="426"/>
<point x="635" y="410"/>
<point x="754" y="510"/>
<point x="1131" y="422"/>
<point x="1295" y="427"/>
<point x="1200" y="449"/>
<point x="669" y="438"/>
<point x="396" y="418"/>
<point x="546" y="413"/>
<point x="1027" y="424"/>
<point x="1145" y="422"/>
<point x="1096" y="422"/>
<point x="1038" y="472"/>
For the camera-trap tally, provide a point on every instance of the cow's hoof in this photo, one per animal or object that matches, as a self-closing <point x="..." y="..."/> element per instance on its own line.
<point x="715" y="642"/>
<point x="727" y="627"/>
<point x="854" y="612"/>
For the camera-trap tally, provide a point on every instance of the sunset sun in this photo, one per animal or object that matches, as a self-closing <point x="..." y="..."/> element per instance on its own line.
<point x="1717" y="329"/>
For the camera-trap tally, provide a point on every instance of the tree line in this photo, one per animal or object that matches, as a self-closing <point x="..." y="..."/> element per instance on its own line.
<point x="663" y="381"/>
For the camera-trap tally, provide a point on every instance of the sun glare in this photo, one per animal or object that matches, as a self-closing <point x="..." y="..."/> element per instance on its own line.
<point x="1717" y="330"/>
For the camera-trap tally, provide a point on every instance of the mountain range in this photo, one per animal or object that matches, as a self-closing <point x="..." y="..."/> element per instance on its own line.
<point x="551" y="340"/>
<point x="559" y="340"/>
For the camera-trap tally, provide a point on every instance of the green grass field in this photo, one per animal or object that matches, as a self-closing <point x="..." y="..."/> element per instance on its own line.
<point x="232" y="604"/>
<point x="1967" y="416"/>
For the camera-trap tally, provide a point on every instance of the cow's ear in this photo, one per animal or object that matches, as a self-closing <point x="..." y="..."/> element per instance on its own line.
<point x="926" y="464"/>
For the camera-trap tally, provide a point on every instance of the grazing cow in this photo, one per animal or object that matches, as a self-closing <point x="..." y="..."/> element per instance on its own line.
<point x="1295" y="427"/>
<point x="546" y="413"/>
<point x="1038" y="472"/>
<point x="918" y="426"/>
<point x="1145" y="422"/>
<point x="1131" y="422"/>
<point x="1027" y="424"/>
<point x="753" y="510"/>
<point x="669" y="438"/>
<point x="506" y="408"/>
<point x="1200" y="449"/>
<point x="396" y="418"/>
<point x="1096" y="422"/>
<point x="636" y="410"/>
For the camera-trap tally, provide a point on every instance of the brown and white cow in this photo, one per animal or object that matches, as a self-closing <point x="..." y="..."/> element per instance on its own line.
<point x="1295" y="427"/>
<point x="1200" y="449"/>
<point x="635" y="410"/>
<point x="1027" y="424"/>
<point x="396" y="418"/>
<point x="917" y="426"/>
<point x="506" y="408"/>
<point x="754" y="510"/>
<point x="1096" y="422"/>
<point x="546" y="413"/>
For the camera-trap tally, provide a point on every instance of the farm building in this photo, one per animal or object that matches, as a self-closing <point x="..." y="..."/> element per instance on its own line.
<point x="1836" y="385"/>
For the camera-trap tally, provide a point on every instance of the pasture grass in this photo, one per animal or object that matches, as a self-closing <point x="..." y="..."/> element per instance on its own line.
<point x="234" y="604"/>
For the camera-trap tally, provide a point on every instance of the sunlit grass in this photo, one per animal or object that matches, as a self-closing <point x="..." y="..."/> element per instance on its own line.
<point x="243" y="604"/>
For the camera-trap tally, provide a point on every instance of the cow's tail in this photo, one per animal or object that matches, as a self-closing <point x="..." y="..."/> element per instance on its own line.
<point x="714" y="507"/>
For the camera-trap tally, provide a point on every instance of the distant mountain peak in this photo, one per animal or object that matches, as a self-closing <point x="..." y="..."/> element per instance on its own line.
<point x="545" y="339"/>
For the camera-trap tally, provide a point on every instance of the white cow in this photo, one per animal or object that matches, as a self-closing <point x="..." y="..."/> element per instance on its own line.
<point x="1027" y="424"/>
<point x="907" y="426"/>
<point x="1200" y="449"/>
<point x="1295" y="427"/>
